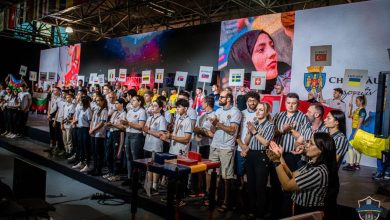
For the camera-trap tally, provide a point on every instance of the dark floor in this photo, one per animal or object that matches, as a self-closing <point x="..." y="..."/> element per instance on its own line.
<point x="60" y="188"/>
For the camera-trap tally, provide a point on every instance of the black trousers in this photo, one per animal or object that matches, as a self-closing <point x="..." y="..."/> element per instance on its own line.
<point x="84" y="144"/>
<point x="58" y="135"/>
<point x="281" y="202"/>
<point x="97" y="144"/>
<point x="21" y="122"/>
<point x="52" y="131"/>
<point x="257" y="168"/>
<point x="111" y="151"/>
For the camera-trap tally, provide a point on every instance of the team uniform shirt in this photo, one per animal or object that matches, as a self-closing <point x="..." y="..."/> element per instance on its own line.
<point x="266" y="130"/>
<point x="227" y="117"/>
<point x="336" y="104"/>
<point x="135" y="116"/>
<point x="308" y="131"/>
<point x="183" y="125"/>
<point x="98" y="117"/>
<point x="191" y="114"/>
<point x="24" y="98"/>
<point x="111" y="108"/>
<point x="168" y="116"/>
<point x="357" y="114"/>
<point x="155" y="123"/>
<point x="61" y="105"/>
<point x="69" y="111"/>
<point x="129" y="106"/>
<point x="116" y="118"/>
<point x="13" y="102"/>
<point x="94" y="106"/>
<point x="84" y="117"/>
<point x="204" y="123"/>
<point x="246" y="116"/>
<point x="6" y="99"/>
<point x="341" y="142"/>
<point x="312" y="182"/>
<point x="287" y="140"/>
<point x="54" y="101"/>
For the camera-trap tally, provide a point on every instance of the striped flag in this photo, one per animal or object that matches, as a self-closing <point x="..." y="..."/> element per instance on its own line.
<point x="15" y="83"/>
<point x="353" y="81"/>
<point x="39" y="101"/>
<point x="236" y="78"/>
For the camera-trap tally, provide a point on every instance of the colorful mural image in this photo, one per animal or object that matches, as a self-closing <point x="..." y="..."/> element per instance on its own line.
<point x="262" y="43"/>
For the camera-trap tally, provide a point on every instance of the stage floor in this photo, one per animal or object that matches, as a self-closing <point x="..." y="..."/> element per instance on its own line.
<point x="354" y="186"/>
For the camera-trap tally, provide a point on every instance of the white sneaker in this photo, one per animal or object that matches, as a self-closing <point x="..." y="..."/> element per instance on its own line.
<point x="85" y="169"/>
<point x="8" y="135"/>
<point x="72" y="157"/>
<point x="80" y="165"/>
<point x="12" y="136"/>
<point x="4" y="134"/>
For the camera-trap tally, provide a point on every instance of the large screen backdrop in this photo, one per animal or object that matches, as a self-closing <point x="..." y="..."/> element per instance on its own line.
<point x="262" y="43"/>
<point x="63" y="62"/>
<point x="173" y="50"/>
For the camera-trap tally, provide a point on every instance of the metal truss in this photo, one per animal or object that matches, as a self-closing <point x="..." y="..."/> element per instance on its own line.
<point x="103" y="19"/>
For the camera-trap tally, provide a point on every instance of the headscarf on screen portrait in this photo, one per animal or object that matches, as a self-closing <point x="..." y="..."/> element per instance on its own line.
<point x="240" y="55"/>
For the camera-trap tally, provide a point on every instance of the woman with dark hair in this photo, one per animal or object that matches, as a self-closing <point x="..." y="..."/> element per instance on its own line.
<point x="83" y="122"/>
<point x="316" y="184"/>
<point x="135" y="121"/>
<point x="98" y="133"/>
<point x="335" y="122"/>
<point x="255" y="51"/>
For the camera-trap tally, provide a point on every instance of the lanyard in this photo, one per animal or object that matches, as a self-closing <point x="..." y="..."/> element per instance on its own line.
<point x="178" y="124"/>
<point x="153" y="120"/>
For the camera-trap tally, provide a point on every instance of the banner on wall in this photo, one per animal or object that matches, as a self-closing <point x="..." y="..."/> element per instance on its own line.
<point x="159" y="76"/>
<point x="314" y="80"/>
<point x="205" y="74"/>
<point x="355" y="80"/>
<point x="23" y="70"/>
<point x="258" y="80"/>
<point x="146" y="76"/>
<point x="111" y="75"/>
<point x="33" y="76"/>
<point x="236" y="77"/>
<point x="321" y="55"/>
<point x="180" y="79"/>
<point x="122" y="75"/>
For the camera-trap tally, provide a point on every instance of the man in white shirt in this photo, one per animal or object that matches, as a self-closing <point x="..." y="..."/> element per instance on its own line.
<point x="337" y="101"/>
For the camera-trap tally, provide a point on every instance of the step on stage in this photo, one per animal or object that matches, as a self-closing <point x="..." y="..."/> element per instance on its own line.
<point x="354" y="186"/>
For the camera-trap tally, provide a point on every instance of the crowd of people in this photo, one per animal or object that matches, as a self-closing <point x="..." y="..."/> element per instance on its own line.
<point x="101" y="130"/>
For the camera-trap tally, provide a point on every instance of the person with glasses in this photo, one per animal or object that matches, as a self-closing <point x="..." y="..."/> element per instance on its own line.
<point x="113" y="145"/>
<point x="134" y="123"/>
<point x="155" y="126"/>
<point x="226" y="122"/>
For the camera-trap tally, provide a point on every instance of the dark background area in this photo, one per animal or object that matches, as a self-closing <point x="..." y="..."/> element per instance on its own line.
<point x="18" y="52"/>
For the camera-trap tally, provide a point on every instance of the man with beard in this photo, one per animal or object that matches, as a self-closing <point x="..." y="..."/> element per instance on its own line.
<point x="226" y="122"/>
<point x="248" y="115"/>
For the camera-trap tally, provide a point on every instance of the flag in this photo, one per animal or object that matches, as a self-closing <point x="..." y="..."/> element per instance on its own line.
<point x="39" y="104"/>
<point x="205" y="76"/>
<point x="180" y="78"/>
<point x="145" y="78"/>
<point x="236" y="78"/>
<point x="15" y="83"/>
<point x="257" y="81"/>
<point x="354" y="81"/>
<point x="159" y="76"/>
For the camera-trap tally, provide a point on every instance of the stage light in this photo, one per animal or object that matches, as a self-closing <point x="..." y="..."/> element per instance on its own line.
<point x="69" y="30"/>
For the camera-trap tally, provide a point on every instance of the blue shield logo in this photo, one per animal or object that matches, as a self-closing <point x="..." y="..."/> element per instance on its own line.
<point x="369" y="208"/>
<point x="314" y="82"/>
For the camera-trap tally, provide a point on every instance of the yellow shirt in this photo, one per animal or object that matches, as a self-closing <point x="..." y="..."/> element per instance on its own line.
<point x="172" y="103"/>
<point x="154" y="98"/>
<point x="141" y="92"/>
<point x="357" y="114"/>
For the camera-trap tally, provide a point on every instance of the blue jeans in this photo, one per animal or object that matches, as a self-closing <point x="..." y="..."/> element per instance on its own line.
<point x="380" y="167"/>
<point x="134" y="147"/>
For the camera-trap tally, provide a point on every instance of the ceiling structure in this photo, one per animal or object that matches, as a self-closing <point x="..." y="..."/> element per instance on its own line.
<point x="102" y="19"/>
